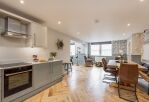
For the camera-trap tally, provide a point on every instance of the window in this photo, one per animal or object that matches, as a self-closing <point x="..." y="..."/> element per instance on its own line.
<point x="106" y="50"/>
<point x="95" y="50"/>
<point x="72" y="50"/>
<point x="101" y="49"/>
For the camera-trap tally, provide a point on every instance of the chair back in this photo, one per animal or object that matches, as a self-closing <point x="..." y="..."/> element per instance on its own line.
<point x="85" y="58"/>
<point x="117" y="58"/>
<point x="128" y="73"/>
<point x="104" y="63"/>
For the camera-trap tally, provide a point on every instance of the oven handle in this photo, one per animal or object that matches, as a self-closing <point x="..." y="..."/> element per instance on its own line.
<point x="18" y="73"/>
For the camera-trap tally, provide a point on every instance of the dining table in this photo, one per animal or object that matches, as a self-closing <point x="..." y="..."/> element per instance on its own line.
<point x="142" y="70"/>
<point x="117" y="64"/>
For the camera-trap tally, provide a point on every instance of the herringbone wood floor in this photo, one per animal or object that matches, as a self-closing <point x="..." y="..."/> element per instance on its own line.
<point x="83" y="85"/>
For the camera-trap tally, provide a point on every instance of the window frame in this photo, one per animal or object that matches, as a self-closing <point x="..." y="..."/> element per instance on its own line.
<point x="91" y="50"/>
<point x="108" y="49"/>
<point x="100" y="49"/>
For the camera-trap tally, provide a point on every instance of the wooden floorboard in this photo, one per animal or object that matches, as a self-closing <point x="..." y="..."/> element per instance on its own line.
<point x="84" y="84"/>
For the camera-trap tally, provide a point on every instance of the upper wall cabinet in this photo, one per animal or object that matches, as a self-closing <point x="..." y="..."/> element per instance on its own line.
<point x="39" y="35"/>
<point x="2" y="25"/>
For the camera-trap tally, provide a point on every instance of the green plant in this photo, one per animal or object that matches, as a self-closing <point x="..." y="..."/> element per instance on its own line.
<point x="53" y="54"/>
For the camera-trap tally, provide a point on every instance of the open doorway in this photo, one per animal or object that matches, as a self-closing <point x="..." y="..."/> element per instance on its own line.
<point x="77" y="52"/>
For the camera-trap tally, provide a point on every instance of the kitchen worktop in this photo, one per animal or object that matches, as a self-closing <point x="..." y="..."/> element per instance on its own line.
<point x="45" y="62"/>
<point x="21" y="64"/>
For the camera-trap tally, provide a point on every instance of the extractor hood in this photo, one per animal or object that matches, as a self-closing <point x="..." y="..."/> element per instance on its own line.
<point x="16" y="28"/>
<point x="16" y="35"/>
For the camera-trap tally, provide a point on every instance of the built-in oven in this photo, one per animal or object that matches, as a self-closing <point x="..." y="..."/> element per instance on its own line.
<point x="17" y="79"/>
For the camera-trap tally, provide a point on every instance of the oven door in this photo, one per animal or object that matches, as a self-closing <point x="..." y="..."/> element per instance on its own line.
<point x="17" y="80"/>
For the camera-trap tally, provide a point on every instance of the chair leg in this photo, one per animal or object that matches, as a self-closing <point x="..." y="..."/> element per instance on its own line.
<point x="116" y="78"/>
<point x="136" y="92"/>
<point x="71" y="67"/>
<point x="67" y="69"/>
<point x="119" y="89"/>
<point x="148" y="88"/>
<point x="129" y="90"/>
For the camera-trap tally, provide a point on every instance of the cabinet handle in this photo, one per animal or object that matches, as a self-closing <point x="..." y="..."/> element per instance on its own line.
<point x="17" y="73"/>
<point x="34" y="39"/>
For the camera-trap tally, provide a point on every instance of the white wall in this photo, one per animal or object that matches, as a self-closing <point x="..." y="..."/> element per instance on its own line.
<point x="145" y="52"/>
<point x="53" y="36"/>
<point x="9" y="53"/>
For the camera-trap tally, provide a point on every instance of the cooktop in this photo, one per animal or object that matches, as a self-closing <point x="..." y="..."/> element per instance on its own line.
<point x="14" y="65"/>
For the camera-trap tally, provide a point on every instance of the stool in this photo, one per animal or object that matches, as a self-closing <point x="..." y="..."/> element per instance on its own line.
<point x="67" y="66"/>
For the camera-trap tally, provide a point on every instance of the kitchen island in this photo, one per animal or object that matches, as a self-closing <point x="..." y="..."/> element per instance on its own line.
<point x="34" y="78"/>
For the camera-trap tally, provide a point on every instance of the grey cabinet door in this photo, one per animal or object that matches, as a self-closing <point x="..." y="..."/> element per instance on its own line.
<point x="50" y="72"/>
<point x="57" y="70"/>
<point x="41" y="75"/>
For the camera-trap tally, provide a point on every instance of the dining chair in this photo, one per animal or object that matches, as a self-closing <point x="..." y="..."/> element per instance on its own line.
<point x="128" y="74"/>
<point x="112" y="70"/>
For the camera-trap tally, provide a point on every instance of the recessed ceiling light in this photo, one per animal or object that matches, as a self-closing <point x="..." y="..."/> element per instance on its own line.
<point x="141" y="0"/>
<point x="59" y="22"/>
<point x="78" y="33"/>
<point x="22" y="1"/>
<point x="96" y="21"/>
<point x="128" y="24"/>
<point x="124" y="34"/>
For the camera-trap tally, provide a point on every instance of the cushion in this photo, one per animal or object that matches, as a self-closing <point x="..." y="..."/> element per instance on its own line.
<point x="146" y="65"/>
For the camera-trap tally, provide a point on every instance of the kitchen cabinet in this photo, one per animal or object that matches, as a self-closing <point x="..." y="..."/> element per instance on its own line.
<point x="57" y="70"/>
<point x="41" y="75"/>
<point x="39" y="35"/>
<point x="46" y="73"/>
<point x="2" y="25"/>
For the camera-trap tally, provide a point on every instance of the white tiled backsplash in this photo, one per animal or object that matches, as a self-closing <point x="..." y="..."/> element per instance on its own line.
<point x="10" y="55"/>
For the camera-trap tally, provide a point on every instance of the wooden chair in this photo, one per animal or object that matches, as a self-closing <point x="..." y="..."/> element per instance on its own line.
<point x="88" y="62"/>
<point x="112" y="70"/>
<point x="128" y="74"/>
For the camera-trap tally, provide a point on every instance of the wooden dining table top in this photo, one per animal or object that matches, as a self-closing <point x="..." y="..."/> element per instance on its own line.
<point x="115" y="63"/>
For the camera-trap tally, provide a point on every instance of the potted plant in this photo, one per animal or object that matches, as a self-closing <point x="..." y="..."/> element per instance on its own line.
<point x="52" y="55"/>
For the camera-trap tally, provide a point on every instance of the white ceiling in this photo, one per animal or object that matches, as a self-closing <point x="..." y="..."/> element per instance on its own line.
<point x="80" y="16"/>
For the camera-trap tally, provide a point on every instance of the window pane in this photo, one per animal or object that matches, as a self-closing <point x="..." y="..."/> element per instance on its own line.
<point x="72" y="50"/>
<point x="95" y="50"/>
<point x="106" y="49"/>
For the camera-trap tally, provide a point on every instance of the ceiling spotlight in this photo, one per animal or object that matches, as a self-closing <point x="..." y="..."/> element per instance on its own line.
<point x="22" y="1"/>
<point x="128" y="24"/>
<point x="96" y="21"/>
<point x="141" y="0"/>
<point x="59" y="22"/>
